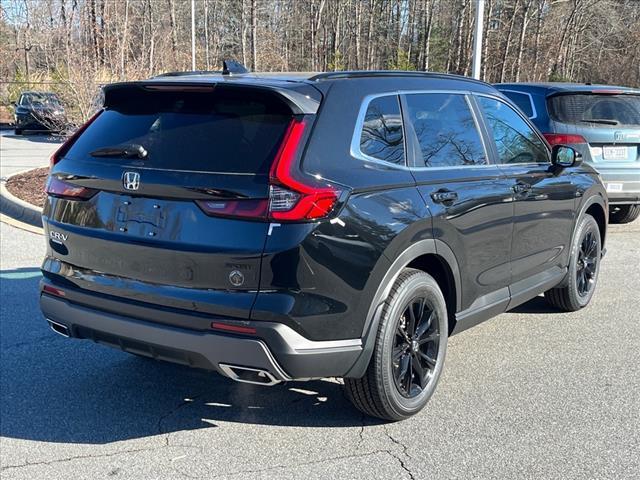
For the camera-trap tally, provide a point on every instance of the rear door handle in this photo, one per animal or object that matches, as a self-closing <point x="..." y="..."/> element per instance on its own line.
<point x="521" y="187"/>
<point x="444" y="196"/>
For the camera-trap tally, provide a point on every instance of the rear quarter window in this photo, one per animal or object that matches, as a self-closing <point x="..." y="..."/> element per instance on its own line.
<point x="382" y="137"/>
<point x="522" y="101"/>
<point x="218" y="131"/>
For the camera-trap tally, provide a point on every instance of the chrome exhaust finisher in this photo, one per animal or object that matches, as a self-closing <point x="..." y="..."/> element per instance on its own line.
<point x="254" y="376"/>
<point x="59" y="328"/>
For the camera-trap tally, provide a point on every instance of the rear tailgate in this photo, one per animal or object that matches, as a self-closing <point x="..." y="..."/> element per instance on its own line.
<point x="182" y="225"/>
<point x="608" y="120"/>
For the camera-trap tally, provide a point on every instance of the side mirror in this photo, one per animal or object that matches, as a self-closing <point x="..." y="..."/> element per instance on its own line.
<point x="564" y="157"/>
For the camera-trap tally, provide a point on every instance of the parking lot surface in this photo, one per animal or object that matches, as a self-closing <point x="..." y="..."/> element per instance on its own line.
<point x="22" y="152"/>
<point x="530" y="394"/>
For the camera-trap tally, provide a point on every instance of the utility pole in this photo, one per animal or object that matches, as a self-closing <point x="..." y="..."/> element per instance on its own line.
<point x="477" y="39"/>
<point x="193" y="35"/>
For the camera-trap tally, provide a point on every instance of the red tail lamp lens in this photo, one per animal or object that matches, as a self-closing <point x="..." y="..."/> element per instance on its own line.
<point x="59" y="188"/>
<point x="292" y="199"/>
<point x="563" y="138"/>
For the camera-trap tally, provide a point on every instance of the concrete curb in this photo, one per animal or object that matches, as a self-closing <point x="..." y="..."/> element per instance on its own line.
<point x="17" y="209"/>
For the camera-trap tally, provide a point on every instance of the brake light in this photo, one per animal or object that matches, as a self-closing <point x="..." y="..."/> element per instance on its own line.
<point x="59" y="188"/>
<point x="563" y="138"/>
<point x="292" y="199"/>
<point x="248" y="208"/>
<point x="64" y="148"/>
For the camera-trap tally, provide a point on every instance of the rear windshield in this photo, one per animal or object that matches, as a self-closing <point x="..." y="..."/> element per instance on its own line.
<point x="223" y="130"/>
<point x="596" y="109"/>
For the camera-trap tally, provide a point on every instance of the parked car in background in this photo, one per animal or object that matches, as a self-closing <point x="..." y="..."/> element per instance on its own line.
<point x="277" y="227"/>
<point x="42" y="111"/>
<point x="601" y="122"/>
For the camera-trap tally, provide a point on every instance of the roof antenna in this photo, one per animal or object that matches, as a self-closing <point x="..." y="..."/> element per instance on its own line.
<point x="232" y="67"/>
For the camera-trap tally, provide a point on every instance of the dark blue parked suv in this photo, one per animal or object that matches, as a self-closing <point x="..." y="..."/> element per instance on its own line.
<point x="278" y="227"/>
<point x="599" y="121"/>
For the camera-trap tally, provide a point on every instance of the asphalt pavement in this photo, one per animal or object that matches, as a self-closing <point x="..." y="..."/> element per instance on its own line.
<point x="530" y="394"/>
<point x="22" y="152"/>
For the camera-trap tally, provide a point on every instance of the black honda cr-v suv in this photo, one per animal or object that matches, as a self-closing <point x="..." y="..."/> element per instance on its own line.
<point x="277" y="227"/>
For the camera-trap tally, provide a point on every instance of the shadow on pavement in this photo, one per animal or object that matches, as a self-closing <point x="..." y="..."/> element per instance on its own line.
<point x="537" y="305"/>
<point x="56" y="389"/>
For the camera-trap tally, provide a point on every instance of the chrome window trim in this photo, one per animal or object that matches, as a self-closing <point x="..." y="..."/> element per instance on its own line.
<point x="533" y="105"/>
<point x="527" y="121"/>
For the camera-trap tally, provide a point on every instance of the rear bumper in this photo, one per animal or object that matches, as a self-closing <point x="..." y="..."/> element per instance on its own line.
<point x="622" y="185"/>
<point x="275" y="349"/>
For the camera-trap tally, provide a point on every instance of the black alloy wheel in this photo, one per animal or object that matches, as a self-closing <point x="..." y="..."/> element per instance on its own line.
<point x="415" y="348"/>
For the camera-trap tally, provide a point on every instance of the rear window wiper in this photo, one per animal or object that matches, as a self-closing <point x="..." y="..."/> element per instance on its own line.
<point x="123" y="150"/>
<point x="604" y="121"/>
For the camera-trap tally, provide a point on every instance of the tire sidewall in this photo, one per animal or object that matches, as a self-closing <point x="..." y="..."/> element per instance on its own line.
<point x="419" y="283"/>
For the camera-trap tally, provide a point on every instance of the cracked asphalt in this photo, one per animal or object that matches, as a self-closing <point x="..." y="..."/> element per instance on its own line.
<point x="530" y="394"/>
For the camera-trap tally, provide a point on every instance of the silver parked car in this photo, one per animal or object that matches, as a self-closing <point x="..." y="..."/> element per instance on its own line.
<point x="600" y="121"/>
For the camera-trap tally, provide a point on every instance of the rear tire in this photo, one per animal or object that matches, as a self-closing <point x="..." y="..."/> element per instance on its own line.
<point x="18" y="131"/>
<point x="409" y="352"/>
<point x="584" y="266"/>
<point x="624" y="213"/>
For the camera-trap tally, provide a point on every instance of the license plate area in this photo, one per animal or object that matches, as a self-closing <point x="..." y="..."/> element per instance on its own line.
<point x="614" y="153"/>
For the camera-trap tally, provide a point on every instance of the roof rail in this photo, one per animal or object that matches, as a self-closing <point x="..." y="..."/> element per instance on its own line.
<point x="388" y="73"/>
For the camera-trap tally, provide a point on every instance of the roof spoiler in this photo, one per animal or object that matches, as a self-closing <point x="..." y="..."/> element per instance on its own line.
<point x="302" y="100"/>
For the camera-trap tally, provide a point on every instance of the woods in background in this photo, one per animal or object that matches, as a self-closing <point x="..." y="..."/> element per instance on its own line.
<point x="78" y="44"/>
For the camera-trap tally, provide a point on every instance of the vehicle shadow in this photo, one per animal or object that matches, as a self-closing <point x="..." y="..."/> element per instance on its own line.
<point x="537" y="305"/>
<point x="56" y="389"/>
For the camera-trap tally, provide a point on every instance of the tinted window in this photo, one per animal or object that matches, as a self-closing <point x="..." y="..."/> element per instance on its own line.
<point x="604" y="110"/>
<point x="523" y="102"/>
<point x="446" y="130"/>
<point x="223" y="131"/>
<point x="515" y="139"/>
<point x="382" y="136"/>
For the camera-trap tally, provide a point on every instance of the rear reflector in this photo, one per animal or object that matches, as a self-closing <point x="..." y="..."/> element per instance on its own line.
<point x="563" y="138"/>
<point x="232" y="328"/>
<point x="59" y="188"/>
<point x="53" y="291"/>
<point x="64" y="148"/>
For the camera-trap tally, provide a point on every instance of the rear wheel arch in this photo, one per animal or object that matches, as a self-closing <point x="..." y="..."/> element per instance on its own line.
<point x="595" y="206"/>
<point x="431" y="256"/>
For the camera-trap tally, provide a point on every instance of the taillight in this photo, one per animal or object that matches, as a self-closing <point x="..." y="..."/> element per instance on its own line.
<point x="248" y="208"/>
<point x="563" y="138"/>
<point x="59" y="188"/>
<point x="290" y="198"/>
<point x="64" y="148"/>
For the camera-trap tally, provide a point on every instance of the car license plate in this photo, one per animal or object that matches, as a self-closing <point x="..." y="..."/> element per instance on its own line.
<point x="614" y="153"/>
<point x="614" y="187"/>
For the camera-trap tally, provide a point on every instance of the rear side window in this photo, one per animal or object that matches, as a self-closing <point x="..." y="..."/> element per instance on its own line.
<point x="228" y="131"/>
<point x="382" y="137"/>
<point x="522" y="101"/>
<point x="515" y="140"/>
<point x="596" y="109"/>
<point x="445" y="129"/>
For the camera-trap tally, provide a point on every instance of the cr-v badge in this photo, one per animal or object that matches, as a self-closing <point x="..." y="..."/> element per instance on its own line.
<point x="131" y="180"/>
